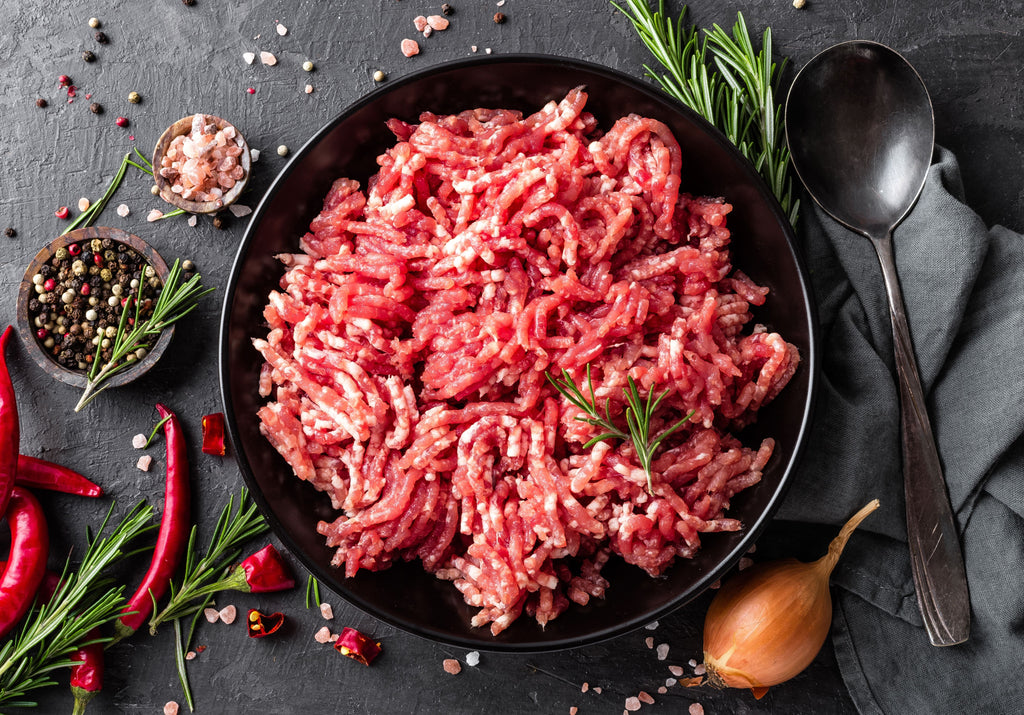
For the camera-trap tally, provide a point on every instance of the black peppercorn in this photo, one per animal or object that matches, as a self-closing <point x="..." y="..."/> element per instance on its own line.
<point x="96" y="108"/>
<point x="10" y="232"/>
<point x="101" y="38"/>
<point x="219" y="222"/>
<point x="88" y="56"/>
<point x="41" y="103"/>
<point x="45" y="270"/>
<point x="447" y="9"/>
<point x="499" y="18"/>
<point x="190" y="3"/>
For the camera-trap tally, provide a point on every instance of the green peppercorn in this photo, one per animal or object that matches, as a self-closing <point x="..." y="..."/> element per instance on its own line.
<point x="61" y="254"/>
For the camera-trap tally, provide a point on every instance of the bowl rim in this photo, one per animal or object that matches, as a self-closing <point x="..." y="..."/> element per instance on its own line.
<point x="42" y="359"/>
<point x="184" y="126"/>
<point x="751" y="530"/>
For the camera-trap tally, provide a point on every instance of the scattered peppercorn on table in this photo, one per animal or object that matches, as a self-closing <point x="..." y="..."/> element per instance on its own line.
<point x="87" y="83"/>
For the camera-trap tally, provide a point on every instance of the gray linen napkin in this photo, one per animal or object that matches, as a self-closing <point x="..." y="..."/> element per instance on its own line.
<point x="964" y="289"/>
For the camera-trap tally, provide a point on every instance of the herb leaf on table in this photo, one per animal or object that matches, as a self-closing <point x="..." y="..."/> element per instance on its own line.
<point x="725" y="80"/>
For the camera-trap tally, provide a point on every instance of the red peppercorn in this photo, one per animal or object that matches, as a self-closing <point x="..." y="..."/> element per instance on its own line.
<point x="74" y="249"/>
<point x="86" y="290"/>
<point x="97" y="259"/>
<point x="251" y="90"/>
<point x="41" y="333"/>
<point x="121" y="121"/>
<point x="62" y="212"/>
<point x="49" y="284"/>
<point x="64" y="80"/>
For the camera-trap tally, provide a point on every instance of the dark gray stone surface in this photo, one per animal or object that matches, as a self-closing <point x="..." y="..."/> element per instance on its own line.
<point x="185" y="59"/>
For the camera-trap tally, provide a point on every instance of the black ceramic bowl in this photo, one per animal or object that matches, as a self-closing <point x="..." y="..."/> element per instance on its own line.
<point x="763" y="246"/>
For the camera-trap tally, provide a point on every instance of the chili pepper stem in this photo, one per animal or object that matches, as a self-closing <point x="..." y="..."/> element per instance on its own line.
<point x="82" y="698"/>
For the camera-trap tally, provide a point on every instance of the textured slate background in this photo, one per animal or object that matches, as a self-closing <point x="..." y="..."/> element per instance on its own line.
<point x="185" y="59"/>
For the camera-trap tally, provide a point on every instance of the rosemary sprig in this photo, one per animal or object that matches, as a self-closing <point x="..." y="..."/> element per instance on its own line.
<point x="312" y="591"/>
<point x="639" y="412"/>
<point x="203" y="576"/>
<point x="176" y="300"/>
<point x="87" y="217"/>
<point x="725" y="80"/>
<point x="84" y="600"/>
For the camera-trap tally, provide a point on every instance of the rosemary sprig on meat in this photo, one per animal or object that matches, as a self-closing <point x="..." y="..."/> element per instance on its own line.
<point x="725" y="80"/>
<point x="639" y="412"/>
<point x="176" y="300"/>
<point x="82" y="601"/>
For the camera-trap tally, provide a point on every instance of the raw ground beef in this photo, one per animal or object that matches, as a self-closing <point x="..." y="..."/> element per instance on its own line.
<point x="408" y="344"/>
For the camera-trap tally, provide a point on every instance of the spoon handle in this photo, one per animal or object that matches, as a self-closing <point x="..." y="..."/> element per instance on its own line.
<point x="935" y="555"/>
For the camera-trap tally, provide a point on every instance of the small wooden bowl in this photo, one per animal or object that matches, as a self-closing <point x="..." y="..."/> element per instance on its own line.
<point x="27" y="291"/>
<point x="184" y="126"/>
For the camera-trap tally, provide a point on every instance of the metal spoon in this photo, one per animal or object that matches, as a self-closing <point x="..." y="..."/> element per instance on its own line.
<point x="860" y="127"/>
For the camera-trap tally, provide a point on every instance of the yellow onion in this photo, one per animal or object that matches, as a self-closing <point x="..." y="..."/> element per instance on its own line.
<point x="769" y="622"/>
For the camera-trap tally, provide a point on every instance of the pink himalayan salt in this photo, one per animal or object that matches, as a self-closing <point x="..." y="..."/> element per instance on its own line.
<point x="696" y="709"/>
<point x="204" y="164"/>
<point x="410" y="47"/>
<point x="170" y="708"/>
<point x="227" y="614"/>
<point x="323" y="635"/>
<point x="437" y="22"/>
<point x="419" y="22"/>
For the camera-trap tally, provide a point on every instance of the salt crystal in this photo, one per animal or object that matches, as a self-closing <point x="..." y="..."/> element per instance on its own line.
<point x="144" y="462"/>
<point x="662" y="690"/>
<point x="254" y="154"/>
<point x="170" y="708"/>
<point x="696" y="709"/>
<point x="752" y="549"/>
<point x="154" y="215"/>
<point x="410" y="47"/>
<point x="437" y="22"/>
<point x="746" y="563"/>
<point x="83" y="204"/>
<point x="428" y="32"/>
<point x="473" y="48"/>
<point x="692" y="663"/>
<point x="192" y="220"/>
<point x="585" y="688"/>
<point x="676" y="670"/>
<point x="663" y="651"/>
<point x="473" y="658"/>
<point x="597" y="689"/>
<point x="227" y="614"/>
<point x="419" y="22"/>
<point x="632" y="704"/>
<point x="716" y="585"/>
<point x="487" y="50"/>
<point x="500" y="3"/>
<point x="649" y="642"/>
<point x="325" y="608"/>
<point x="669" y="682"/>
<point x="268" y="59"/>
<point x="139" y="441"/>
<point x="573" y="710"/>
<point x="248" y="57"/>
<point x="239" y="210"/>
<point x="451" y="666"/>
<point x="700" y="670"/>
<point x="191" y="655"/>
<point x="309" y="89"/>
<point x="212" y="614"/>
<point x="281" y="30"/>
<point x="645" y="697"/>
<point x="335" y="636"/>
<point x="323" y="635"/>
<point x="123" y="210"/>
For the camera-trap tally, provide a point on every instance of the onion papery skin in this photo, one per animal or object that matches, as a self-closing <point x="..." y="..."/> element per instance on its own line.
<point x="767" y="624"/>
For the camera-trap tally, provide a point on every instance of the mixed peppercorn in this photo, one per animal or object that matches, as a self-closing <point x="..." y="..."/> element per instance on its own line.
<point x="79" y="295"/>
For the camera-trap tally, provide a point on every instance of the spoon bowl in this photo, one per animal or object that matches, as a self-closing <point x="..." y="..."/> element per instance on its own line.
<point x="861" y="131"/>
<point x="860" y="106"/>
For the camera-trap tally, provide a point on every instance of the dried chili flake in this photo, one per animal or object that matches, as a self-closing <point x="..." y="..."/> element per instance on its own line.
<point x="357" y="646"/>
<point x="213" y="434"/>
<point x="261" y="625"/>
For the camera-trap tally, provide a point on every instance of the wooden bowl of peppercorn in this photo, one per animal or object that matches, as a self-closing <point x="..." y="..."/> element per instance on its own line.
<point x="165" y="187"/>
<point x="65" y="300"/>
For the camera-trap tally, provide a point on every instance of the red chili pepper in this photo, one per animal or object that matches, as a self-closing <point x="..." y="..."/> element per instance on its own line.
<point x="87" y="677"/>
<point x="35" y="472"/>
<point x="357" y="646"/>
<point x="262" y="572"/>
<point x="9" y="434"/>
<point x="26" y="565"/>
<point x="173" y="536"/>
<point x="261" y="625"/>
<point x="213" y="434"/>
